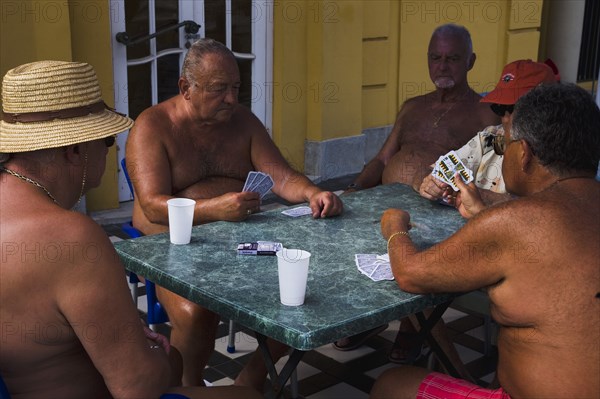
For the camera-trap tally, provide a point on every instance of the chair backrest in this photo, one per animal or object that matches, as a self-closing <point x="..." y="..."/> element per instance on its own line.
<point x="124" y="167"/>
<point x="4" y="394"/>
<point x="156" y="313"/>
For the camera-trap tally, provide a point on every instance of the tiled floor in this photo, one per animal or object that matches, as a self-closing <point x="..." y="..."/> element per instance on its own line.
<point x="326" y="373"/>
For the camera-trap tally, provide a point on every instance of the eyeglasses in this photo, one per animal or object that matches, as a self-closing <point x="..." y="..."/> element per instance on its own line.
<point x="502" y="109"/>
<point x="109" y="141"/>
<point x="499" y="143"/>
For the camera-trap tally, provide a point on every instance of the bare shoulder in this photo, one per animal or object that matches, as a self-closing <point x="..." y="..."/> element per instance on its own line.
<point x="156" y="118"/>
<point x="416" y="103"/>
<point x="484" y="113"/>
<point x="412" y="109"/>
<point x="79" y="228"/>
<point x="547" y="212"/>
<point x="246" y="121"/>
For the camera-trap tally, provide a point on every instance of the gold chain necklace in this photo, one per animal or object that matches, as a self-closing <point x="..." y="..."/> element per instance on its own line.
<point x="435" y="123"/>
<point x="439" y="118"/>
<point x="30" y="181"/>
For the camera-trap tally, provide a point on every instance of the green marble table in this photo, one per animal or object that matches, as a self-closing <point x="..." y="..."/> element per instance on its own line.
<point x="340" y="301"/>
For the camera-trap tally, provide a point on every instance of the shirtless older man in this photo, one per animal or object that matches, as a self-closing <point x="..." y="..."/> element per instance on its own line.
<point x="426" y="127"/>
<point x="201" y="144"/>
<point x="69" y="328"/>
<point x="517" y="79"/>
<point x="430" y="125"/>
<point x="538" y="257"/>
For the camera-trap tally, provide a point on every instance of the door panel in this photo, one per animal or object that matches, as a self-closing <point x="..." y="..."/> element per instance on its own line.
<point x="147" y="72"/>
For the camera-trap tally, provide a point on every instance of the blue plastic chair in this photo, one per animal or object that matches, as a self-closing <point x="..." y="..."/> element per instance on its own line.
<point x="4" y="394"/>
<point x="156" y="313"/>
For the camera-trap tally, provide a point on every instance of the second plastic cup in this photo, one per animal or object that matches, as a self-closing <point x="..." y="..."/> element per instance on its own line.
<point x="181" y="218"/>
<point x="292" y="267"/>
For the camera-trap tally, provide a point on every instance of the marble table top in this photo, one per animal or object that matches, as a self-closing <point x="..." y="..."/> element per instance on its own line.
<point x="340" y="301"/>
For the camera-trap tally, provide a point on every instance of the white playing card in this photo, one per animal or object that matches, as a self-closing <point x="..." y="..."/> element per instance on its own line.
<point x="298" y="211"/>
<point x="447" y="166"/>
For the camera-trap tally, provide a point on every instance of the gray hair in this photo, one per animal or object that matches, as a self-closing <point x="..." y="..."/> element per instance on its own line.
<point x="561" y="124"/>
<point x="195" y="55"/>
<point x="457" y="31"/>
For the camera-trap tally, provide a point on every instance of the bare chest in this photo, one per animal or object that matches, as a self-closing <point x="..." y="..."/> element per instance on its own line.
<point x="203" y="156"/>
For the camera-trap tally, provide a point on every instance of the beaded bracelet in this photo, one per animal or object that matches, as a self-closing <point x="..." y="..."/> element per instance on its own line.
<point x="405" y="233"/>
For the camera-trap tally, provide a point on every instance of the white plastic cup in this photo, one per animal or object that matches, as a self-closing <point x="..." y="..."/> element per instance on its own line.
<point x="292" y="267"/>
<point x="181" y="218"/>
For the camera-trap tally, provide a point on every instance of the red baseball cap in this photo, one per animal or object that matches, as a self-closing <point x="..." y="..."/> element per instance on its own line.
<point x="518" y="78"/>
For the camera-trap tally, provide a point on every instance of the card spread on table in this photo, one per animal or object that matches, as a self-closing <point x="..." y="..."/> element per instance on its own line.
<point x="376" y="267"/>
<point x="258" y="182"/>
<point x="298" y="211"/>
<point x="447" y="166"/>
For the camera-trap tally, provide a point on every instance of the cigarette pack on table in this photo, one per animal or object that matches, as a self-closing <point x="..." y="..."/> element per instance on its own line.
<point x="259" y="248"/>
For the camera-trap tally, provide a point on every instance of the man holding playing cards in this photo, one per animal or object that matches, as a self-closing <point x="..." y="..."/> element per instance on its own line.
<point x="426" y="127"/>
<point x="202" y="144"/>
<point x="537" y="257"/>
<point x="481" y="161"/>
<point x="435" y="123"/>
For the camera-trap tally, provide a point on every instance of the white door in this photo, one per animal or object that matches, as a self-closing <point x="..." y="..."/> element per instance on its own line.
<point x="149" y="39"/>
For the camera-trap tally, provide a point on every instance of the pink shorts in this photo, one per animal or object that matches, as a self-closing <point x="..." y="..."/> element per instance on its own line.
<point x="437" y="385"/>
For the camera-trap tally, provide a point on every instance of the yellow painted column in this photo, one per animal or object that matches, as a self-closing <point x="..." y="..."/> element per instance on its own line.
<point x="91" y="43"/>
<point x="335" y="69"/>
<point x="317" y="73"/>
<point x="289" y="79"/>
<point x="380" y="57"/>
<point x="33" y="30"/>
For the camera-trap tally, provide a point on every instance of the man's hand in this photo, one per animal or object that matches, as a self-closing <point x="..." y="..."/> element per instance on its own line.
<point x="433" y="189"/>
<point x="468" y="201"/>
<point x="235" y="207"/>
<point x="325" y="203"/>
<point x="394" y="220"/>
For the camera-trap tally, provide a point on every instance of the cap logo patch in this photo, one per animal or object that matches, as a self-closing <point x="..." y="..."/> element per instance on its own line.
<point x="508" y="77"/>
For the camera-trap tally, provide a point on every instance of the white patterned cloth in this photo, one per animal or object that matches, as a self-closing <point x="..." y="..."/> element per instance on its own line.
<point x="479" y="156"/>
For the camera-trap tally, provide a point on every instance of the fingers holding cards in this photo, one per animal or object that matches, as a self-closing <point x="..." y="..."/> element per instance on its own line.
<point x="447" y="166"/>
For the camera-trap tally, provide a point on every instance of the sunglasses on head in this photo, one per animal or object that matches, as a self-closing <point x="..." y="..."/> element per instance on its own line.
<point x="502" y="109"/>
<point x="109" y="141"/>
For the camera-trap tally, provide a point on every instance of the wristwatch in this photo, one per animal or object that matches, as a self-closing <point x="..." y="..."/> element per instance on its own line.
<point x="354" y="186"/>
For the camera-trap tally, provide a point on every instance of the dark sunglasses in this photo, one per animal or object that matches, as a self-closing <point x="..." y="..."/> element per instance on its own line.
<point x="109" y="141"/>
<point x="502" y="109"/>
<point x="499" y="143"/>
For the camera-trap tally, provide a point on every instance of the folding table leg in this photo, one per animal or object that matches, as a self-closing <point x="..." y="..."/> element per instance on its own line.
<point x="425" y="331"/>
<point x="278" y="381"/>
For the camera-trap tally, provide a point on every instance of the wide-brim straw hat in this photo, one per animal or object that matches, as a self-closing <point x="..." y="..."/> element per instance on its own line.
<point x="50" y="104"/>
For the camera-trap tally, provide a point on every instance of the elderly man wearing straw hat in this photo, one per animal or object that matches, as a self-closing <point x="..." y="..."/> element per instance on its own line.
<point x="201" y="144"/>
<point x="69" y="327"/>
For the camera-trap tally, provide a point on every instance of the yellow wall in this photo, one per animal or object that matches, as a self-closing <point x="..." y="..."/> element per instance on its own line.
<point x="32" y="31"/>
<point x="340" y="66"/>
<point x="91" y="43"/>
<point x="290" y="77"/>
<point x="380" y="45"/>
<point x="317" y="65"/>
<point x="70" y="31"/>
<point x="381" y="24"/>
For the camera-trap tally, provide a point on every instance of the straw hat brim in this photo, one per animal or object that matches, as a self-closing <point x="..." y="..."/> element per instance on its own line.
<point x="31" y="136"/>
